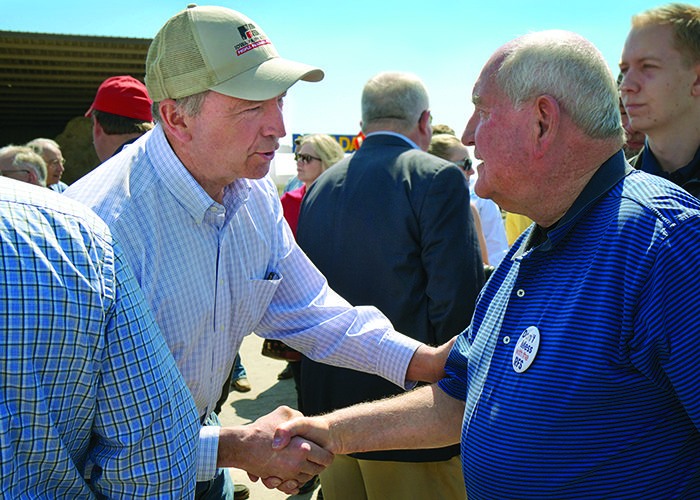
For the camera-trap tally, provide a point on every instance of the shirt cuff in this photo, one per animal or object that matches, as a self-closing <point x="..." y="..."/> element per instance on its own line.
<point x="397" y="352"/>
<point x="207" y="450"/>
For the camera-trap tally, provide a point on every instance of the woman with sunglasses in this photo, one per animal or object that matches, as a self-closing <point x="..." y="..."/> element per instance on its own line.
<point x="315" y="154"/>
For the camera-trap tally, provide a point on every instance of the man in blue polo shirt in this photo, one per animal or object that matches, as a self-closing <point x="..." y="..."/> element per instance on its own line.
<point x="577" y="377"/>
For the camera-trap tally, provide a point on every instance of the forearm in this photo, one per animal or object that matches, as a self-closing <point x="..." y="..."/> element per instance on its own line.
<point x="428" y="363"/>
<point x="423" y="418"/>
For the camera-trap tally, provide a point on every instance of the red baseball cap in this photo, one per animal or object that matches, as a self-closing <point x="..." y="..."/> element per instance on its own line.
<point x="124" y="96"/>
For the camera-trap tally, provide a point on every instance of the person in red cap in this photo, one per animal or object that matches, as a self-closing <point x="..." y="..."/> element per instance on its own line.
<point x="121" y="113"/>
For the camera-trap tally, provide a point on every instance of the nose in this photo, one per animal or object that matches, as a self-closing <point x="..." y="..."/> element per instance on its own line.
<point x="628" y="83"/>
<point x="274" y="125"/>
<point x="469" y="130"/>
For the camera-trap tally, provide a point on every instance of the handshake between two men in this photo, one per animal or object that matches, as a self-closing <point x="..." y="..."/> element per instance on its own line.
<point x="285" y="449"/>
<point x="302" y="446"/>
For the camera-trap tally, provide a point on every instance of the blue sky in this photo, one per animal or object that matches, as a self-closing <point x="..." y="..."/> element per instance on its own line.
<point x="444" y="42"/>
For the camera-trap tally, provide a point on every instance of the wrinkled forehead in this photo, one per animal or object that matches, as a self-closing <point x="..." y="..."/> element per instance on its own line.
<point x="51" y="152"/>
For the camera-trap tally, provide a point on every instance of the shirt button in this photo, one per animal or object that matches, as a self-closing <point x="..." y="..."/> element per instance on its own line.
<point x="506" y="339"/>
<point x="520" y="293"/>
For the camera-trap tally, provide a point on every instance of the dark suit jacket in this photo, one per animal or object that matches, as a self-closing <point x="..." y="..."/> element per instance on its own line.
<point x="391" y="227"/>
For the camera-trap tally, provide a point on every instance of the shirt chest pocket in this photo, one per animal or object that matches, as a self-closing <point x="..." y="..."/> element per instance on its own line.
<point x="256" y="300"/>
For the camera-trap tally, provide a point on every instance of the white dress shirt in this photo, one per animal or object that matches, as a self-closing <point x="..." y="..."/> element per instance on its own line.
<point x="213" y="273"/>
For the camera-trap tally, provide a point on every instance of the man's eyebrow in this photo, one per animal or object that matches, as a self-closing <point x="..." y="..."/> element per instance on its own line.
<point x="476" y="100"/>
<point x="641" y="59"/>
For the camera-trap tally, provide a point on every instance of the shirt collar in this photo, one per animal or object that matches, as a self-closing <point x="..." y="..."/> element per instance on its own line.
<point x="650" y="165"/>
<point x="395" y="134"/>
<point x="604" y="179"/>
<point x="120" y="148"/>
<point x="183" y="187"/>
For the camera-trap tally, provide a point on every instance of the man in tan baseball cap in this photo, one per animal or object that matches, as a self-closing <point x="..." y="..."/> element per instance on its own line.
<point x="201" y="225"/>
<point x="211" y="48"/>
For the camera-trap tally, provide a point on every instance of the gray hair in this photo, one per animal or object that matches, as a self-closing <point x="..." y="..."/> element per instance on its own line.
<point x="571" y="70"/>
<point x="395" y="98"/>
<point x="38" y="145"/>
<point x="191" y="105"/>
<point x="26" y="157"/>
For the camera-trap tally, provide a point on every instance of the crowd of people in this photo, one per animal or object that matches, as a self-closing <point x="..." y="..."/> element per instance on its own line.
<point x="524" y="327"/>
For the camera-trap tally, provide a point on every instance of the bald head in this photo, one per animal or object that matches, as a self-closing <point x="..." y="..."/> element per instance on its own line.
<point x="393" y="100"/>
<point x="50" y="152"/>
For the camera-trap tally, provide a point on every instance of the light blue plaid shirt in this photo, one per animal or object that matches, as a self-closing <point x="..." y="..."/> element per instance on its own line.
<point x="213" y="273"/>
<point x="85" y="376"/>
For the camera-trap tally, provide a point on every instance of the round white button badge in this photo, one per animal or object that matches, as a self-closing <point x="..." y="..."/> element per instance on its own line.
<point x="526" y="349"/>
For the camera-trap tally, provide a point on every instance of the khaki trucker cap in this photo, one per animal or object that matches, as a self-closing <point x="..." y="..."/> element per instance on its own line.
<point x="215" y="48"/>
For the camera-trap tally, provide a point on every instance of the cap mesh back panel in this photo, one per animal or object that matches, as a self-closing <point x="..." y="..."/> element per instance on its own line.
<point x="183" y="68"/>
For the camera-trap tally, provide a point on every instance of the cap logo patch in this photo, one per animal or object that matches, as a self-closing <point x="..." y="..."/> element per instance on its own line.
<point x="251" y="39"/>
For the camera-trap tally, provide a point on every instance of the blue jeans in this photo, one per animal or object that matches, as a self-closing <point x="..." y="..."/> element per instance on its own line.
<point x="238" y="371"/>
<point x="219" y="488"/>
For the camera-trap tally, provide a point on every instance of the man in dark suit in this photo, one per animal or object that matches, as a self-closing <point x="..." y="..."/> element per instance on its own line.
<point x="391" y="227"/>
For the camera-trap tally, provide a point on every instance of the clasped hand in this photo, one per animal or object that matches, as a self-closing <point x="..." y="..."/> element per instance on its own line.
<point x="286" y="461"/>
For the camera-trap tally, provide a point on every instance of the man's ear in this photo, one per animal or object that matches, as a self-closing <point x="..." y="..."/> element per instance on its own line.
<point x="32" y="178"/>
<point x="97" y="130"/>
<point x="424" y="122"/>
<point x="174" y="120"/>
<point x="695" y="90"/>
<point x="547" y="118"/>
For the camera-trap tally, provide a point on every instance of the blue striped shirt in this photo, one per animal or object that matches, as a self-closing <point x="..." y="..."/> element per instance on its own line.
<point x="610" y="406"/>
<point x="213" y="273"/>
<point x="85" y="376"/>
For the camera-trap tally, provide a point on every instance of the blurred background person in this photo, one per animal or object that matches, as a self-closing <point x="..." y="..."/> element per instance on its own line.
<point x="50" y="151"/>
<point x="23" y="164"/>
<point x="634" y="140"/>
<point x="660" y="88"/>
<point x="441" y="128"/>
<point x="515" y="225"/>
<point x="488" y="218"/>
<point x="120" y="113"/>
<point x="390" y="226"/>
<point x="315" y="153"/>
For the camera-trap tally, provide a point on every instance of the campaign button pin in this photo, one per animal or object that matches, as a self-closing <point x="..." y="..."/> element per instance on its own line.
<point x="526" y="349"/>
